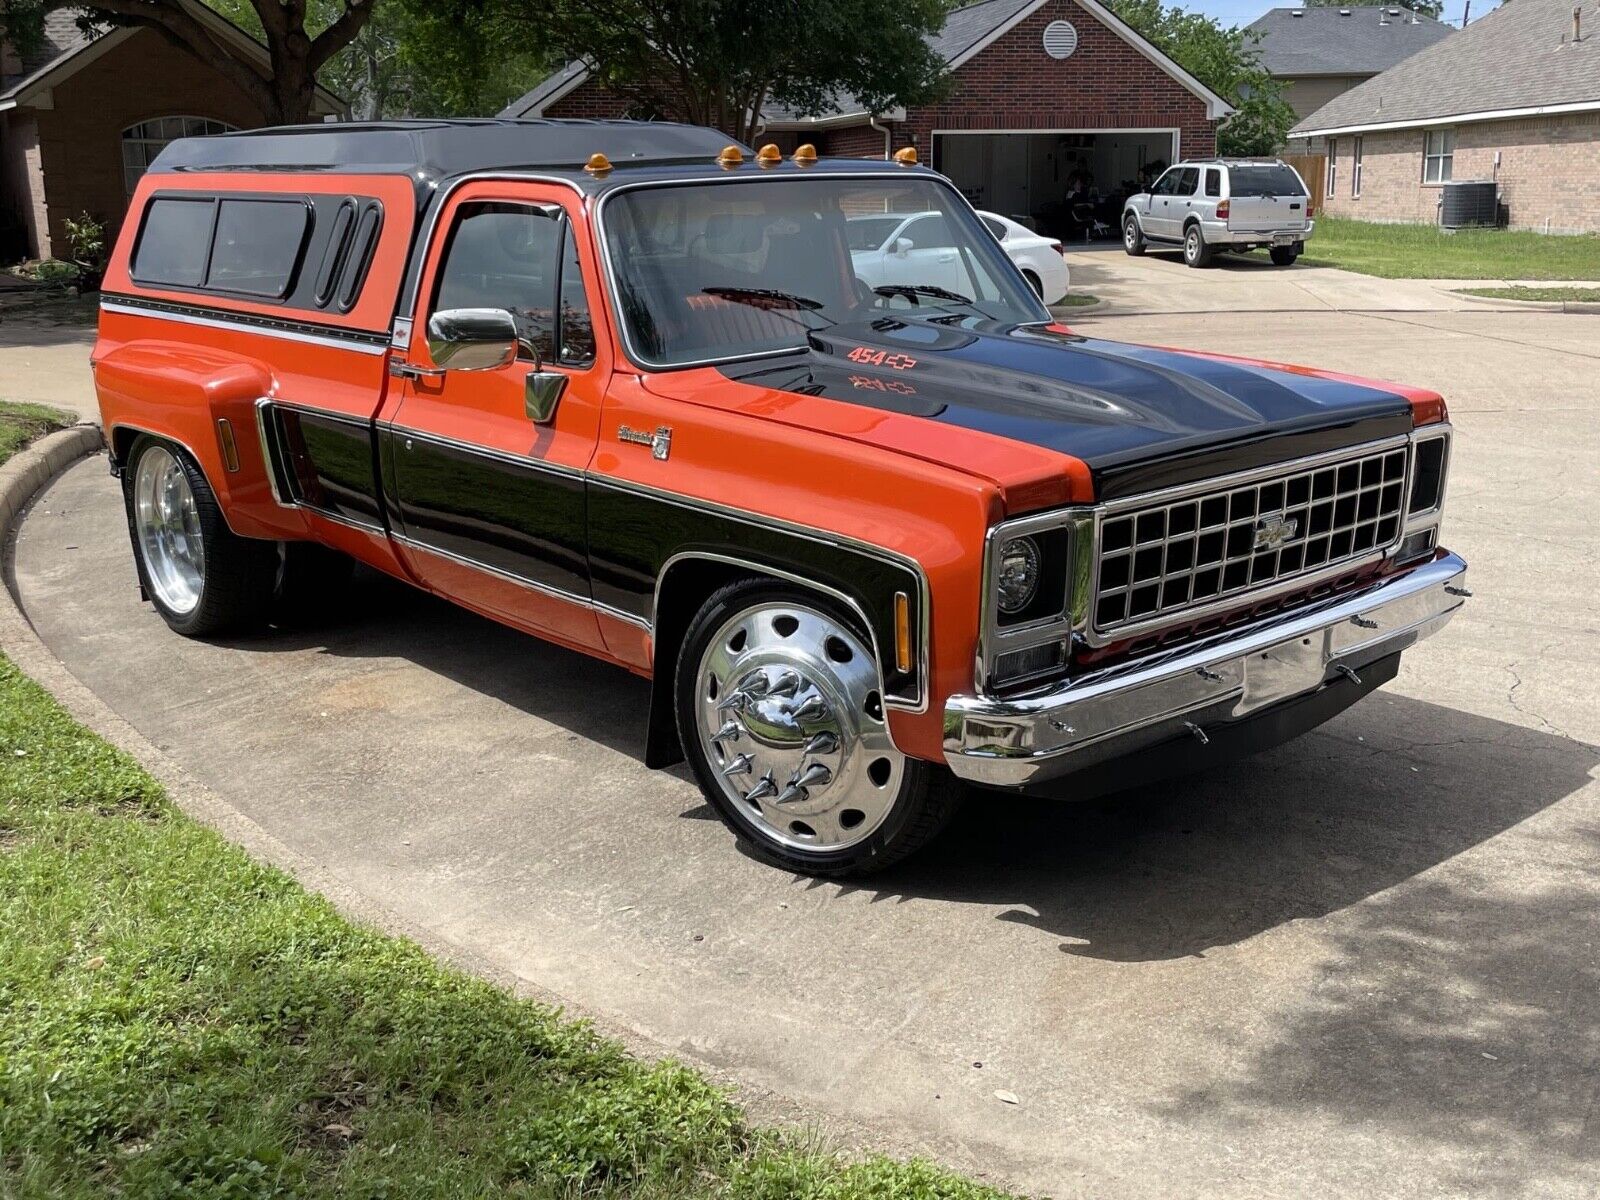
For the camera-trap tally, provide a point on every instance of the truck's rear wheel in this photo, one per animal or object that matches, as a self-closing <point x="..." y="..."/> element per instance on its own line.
<point x="782" y="720"/>
<point x="1284" y="256"/>
<point x="202" y="578"/>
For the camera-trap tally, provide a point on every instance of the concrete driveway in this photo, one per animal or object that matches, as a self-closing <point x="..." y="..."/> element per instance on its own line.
<point x="1158" y="282"/>
<point x="1366" y="963"/>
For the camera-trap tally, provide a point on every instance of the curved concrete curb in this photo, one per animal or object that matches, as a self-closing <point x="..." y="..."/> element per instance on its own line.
<point x="21" y="480"/>
<point x="1505" y="304"/>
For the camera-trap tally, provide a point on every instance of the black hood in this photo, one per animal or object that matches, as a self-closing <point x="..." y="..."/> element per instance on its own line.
<point x="1139" y="417"/>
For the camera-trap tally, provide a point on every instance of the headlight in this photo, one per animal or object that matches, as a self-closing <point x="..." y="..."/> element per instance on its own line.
<point x="1018" y="577"/>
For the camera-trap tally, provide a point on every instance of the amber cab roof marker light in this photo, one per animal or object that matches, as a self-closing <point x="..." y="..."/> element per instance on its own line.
<point x="805" y="155"/>
<point x="730" y="157"/>
<point x="598" y="164"/>
<point x="769" y="155"/>
<point x="906" y="156"/>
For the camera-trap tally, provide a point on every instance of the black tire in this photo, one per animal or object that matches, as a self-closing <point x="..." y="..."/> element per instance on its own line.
<point x="1284" y="256"/>
<point x="1132" y="236"/>
<point x="1195" y="251"/>
<point x="927" y="797"/>
<point x="1033" y="282"/>
<point x="239" y="573"/>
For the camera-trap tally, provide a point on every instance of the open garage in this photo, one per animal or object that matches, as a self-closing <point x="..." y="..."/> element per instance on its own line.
<point x="1069" y="184"/>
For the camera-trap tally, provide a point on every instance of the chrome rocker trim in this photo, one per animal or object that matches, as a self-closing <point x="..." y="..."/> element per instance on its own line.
<point x="1017" y="742"/>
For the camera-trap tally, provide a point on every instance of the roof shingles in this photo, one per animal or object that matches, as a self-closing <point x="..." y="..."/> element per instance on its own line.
<point x="1361" y="40"/>
<point x="1520" y="56"/>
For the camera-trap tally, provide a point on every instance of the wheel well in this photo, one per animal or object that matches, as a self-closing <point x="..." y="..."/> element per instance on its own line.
<point x="680" y="592"/>
<point x="122" y="439"/>
<point x="1190" y="223"/>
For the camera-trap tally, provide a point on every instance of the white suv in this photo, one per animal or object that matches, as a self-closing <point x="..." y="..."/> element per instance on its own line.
<point x="1222" y="204"/>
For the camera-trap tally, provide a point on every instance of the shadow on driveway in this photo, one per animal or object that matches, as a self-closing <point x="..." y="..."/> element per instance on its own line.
<point x="1386" y="792"/>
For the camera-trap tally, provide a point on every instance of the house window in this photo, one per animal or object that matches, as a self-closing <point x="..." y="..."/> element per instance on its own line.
<point x="1355" y="172"/>
<point x="1438" y="154"/>
<point x="142" y="142"/>
<point x="1333" y="169"/>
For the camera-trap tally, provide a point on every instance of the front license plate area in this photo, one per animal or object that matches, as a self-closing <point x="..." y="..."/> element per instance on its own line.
<point x="1282" y="671"/>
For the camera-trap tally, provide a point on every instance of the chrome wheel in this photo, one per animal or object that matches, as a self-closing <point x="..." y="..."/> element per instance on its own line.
<point x="1130" y="233"/>
<point x="167" y="523"/>
<point x="789" y="715"/>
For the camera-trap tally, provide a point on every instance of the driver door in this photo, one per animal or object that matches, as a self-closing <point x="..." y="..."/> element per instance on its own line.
<point x="485" y="466"/>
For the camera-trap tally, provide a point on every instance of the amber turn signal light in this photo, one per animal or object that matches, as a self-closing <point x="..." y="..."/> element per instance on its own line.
<point x="805" y="155"/>
<point x="906" y="156"/>
<point x="902" y="632"/>
<point x="230" y="449"/>
<point x="769" y="155"/>
<point x="731" y="156"/>
<point x="598" y="164"/>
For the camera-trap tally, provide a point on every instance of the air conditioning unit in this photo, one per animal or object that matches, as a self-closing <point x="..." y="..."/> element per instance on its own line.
<point x="1465" y="203"/>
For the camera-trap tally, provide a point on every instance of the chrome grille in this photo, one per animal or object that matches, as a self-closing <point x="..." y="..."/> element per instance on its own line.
<point x="1202" y="549"/>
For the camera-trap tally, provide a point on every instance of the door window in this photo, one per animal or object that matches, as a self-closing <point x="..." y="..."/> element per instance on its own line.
<point x="1167" y="184"/>
<point x="929" y="233"/>
<point x="1213" y="182"/>
<point x="506" y="256"/>
<point x="576" y="327"/>
<point x="1188" y="179"/>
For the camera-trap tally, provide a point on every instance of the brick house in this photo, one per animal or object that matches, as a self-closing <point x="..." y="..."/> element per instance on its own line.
<point x="1513" y="98"/>
<point x="1320" y="53"/>
<point x="1040" y="90"/>
<point x="81" y="117"/>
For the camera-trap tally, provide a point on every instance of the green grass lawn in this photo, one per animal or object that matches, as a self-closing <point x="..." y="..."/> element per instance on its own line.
<point x="1588" y="295"/>
<point x="1076" y="300"/>
<point x="179" y="1021"/>
<point x="21" y="423"/>
<point x="1424" y="252"/>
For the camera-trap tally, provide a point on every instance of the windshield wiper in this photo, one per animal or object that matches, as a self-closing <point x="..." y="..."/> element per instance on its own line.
<point x="768" y="298"/>
<point x="913" y="290"/>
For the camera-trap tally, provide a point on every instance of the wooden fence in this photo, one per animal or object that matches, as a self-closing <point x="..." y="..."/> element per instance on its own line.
<point x="1313" y="169"/>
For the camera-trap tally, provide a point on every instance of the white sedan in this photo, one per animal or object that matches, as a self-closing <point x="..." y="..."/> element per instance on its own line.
<point x="918" y="248"/>
<point x="1041" y="259"/>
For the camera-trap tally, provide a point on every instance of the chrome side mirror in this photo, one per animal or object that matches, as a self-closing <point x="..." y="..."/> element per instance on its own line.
<point x="472" y="339"/>
<point x="903" y="246"/>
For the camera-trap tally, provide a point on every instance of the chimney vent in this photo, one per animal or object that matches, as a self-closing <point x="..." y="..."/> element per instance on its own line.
<point x="1577" y="23"/>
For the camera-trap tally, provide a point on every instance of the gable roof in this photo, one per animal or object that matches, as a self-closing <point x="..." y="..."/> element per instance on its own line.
<point x="66" y="49"/>
<point x="1362" y="40"/>
<point x="1519" y="60"/>
<point x="967" y="32"/>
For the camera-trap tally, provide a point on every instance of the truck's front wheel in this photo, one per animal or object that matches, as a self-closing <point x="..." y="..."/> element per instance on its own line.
<point x="202" y="578"/>
<point x="782" y="719"/>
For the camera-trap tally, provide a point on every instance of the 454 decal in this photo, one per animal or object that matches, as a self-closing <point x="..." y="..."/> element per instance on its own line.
<point x="867" y="356"/>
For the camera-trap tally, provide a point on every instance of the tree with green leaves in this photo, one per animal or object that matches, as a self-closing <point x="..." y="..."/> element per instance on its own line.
<point x="416" y="57"/>
<point x="1225" y="59"/>
<point x="1428" y="8"/>
<point x="719" y="62"/>
<point x="297" y="46"/>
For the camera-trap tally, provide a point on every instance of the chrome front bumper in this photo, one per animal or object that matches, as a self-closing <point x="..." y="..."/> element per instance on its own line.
<point x="1231" y="676"/>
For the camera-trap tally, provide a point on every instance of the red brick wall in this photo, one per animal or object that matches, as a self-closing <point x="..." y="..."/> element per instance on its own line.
<point x="80" y="139"/>
<point x="590" y="102"/>
<point x="1105" y="84"/>
<point x="857" y="141"/>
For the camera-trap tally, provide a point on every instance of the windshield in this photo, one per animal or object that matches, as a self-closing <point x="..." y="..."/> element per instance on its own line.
<point x="1274" y="179"/>
<point x="727" y="270"/>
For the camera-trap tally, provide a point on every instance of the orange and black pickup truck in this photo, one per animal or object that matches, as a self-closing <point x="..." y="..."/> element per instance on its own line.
<point x="877" y="528"/>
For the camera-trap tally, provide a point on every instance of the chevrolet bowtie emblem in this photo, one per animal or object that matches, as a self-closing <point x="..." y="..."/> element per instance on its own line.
<point x="660" y="442"/>
<point x="1274" y="530"/>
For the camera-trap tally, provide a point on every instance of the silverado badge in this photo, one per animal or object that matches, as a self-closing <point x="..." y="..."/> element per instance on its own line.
<point x="660" y="442"/>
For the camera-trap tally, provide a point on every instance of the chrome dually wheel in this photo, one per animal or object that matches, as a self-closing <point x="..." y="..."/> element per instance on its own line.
<point x="781" y="712"/>
<point x="202" y="577"/>
<point x="791" y="718"/>
<point x="166" y="521"/>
